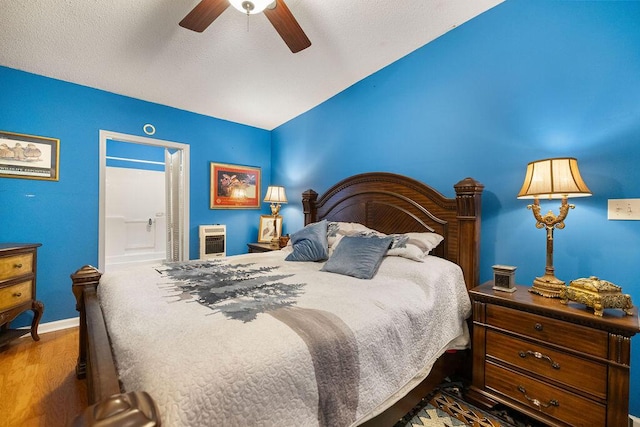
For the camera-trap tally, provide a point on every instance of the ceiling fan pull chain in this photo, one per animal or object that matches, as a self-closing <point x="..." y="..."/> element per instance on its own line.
<point x="248" y="6"/>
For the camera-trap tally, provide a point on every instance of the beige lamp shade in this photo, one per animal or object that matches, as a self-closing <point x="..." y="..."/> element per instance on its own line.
<point x="275" y="194"/>
<point x="553" y="179"/>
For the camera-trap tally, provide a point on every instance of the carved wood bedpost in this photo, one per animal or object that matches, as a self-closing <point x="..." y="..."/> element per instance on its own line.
<point x="108" y="407"/>
<point x="95" y="361"/>
<point x="83" y="278"/>
<point x="309" y="207"/>
<point x="469" y="199"/>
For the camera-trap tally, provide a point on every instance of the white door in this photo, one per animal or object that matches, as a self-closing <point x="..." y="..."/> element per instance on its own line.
<point x="173" y="224"/>
<point x="174" y="177"/>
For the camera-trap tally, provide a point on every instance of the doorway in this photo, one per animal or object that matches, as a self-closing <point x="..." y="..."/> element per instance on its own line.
<point x="135" y="229"/>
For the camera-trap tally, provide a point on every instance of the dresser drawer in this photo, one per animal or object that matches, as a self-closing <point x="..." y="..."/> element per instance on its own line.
<point x="16" y="265"/>
<point x="569" y="335"/>
<point x="13" y="295"/>
<point x="547" y="399"/>
<point x="564" y="368"/>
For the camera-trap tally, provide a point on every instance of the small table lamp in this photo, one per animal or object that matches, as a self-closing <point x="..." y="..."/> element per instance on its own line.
<point x="557" y="178"/>
<point x="276" y="196"/>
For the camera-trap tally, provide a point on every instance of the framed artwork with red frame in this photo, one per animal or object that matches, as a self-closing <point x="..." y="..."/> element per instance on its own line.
<point x="234" y="186"/>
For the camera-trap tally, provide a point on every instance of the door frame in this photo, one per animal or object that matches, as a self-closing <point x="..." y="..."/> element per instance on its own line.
<point x="134" y="139"/>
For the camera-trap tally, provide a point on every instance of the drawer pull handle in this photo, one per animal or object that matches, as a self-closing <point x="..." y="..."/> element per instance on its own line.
<point x="17" y="265"/>
<point x="538" y="355"/>
<point x="535" y="402"/>
<point x="17" y="294"/>
<point x="538" y="327"/>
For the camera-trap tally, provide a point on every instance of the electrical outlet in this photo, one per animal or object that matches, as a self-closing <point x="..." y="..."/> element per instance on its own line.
<point x="621" y="209"/>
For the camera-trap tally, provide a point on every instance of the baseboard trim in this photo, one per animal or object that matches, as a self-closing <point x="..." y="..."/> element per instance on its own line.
<point x="57" y="325"/>
<point x="634" y="421"/>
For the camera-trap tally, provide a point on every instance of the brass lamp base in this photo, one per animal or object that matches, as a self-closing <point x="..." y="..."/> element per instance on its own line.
<point x="547" y="286"/>
<point x="275" y="243"/>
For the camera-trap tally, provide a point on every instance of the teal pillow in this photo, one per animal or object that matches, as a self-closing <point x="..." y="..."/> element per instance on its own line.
<point x="310" y="243"/>
<point x="358" y="256"/>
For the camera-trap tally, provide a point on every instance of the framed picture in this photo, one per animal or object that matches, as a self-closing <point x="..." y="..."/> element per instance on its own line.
<point x="29" y="156"/>
<point x="234" y="186"/>
<point x="266" y="230"/>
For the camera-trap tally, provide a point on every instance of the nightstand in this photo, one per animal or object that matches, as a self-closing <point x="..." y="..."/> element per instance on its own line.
<point x="561" y="365"/>
<point x="261" y="247"/>
<point x="18" y="265"/>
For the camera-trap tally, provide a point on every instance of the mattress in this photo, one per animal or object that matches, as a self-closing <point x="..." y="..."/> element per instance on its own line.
<point x="256" y="340"/>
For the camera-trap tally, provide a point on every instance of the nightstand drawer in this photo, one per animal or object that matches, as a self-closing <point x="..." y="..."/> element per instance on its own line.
<point x="569" y="335"/>
<point x="582" y="374"/>
<point x="545" y="398"/>
<point x="16" y="265"/>
<point x="13" y="295"/>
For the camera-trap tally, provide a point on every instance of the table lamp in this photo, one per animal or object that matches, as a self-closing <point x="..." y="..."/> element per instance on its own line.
<point x="276" y="196"/>
<point x="557" y="178"/>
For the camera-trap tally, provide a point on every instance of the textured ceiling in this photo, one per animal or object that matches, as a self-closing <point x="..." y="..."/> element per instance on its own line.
<point x="239" y="69"/>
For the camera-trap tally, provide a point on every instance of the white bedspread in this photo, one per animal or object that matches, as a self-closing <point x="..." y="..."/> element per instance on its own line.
<point x="277" y="349"/>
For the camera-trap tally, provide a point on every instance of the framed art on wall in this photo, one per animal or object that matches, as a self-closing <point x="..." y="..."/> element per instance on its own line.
<point x="234" y="186"/>
<point x="29" y="156"/>
<point x="266" y="230"/>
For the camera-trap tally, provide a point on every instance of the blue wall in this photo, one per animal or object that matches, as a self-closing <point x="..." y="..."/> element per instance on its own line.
<point x="63" y="215"/>
<point x="524" y="81"/>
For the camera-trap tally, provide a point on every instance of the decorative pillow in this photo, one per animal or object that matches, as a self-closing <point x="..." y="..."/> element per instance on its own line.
<point x="358" y="256"/>
<point x="399" y="240"/>
<point x="425" y="241"/>
<point x="367" y="232"/>
<point x="414" y="246"/>
<point x="337" y="229"/>
<point x="332" y="232"/>
<point x="408" y="251"/>
<point x="310" y="243"/>
<point x="335" y="243"/>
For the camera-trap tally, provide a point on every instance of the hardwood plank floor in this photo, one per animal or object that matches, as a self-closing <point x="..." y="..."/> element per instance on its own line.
<point x="38" y="385"/>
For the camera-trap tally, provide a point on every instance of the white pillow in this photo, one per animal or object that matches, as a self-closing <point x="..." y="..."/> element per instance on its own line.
<point x="335" y="229"/>
<point x="415" y="246"/>
<point x="425" y="241"/>
<point x="409" y="251"/>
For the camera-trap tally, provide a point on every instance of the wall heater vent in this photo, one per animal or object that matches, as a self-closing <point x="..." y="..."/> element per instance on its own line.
<point x="213" y="241"/>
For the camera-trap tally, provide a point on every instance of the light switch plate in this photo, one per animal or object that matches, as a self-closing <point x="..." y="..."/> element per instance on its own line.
<point x="623" y="209"/>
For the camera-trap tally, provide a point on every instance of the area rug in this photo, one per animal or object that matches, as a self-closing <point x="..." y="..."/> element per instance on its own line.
<point x="446" y="407"/>
<point x="445" y="410"/>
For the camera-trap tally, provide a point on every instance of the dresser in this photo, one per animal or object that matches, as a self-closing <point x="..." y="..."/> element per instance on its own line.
<point x="559" y="364"/>
<point x="18" y="265"/>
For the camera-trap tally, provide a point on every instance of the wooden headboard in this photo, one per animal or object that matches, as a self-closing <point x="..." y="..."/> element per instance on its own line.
<point x="393" y="203"/>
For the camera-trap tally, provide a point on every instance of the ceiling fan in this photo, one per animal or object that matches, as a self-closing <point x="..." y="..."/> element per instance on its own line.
<point x="276" y="11"/>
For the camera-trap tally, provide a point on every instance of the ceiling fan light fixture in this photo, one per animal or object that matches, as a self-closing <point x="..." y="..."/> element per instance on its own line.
<point x="250" y="7"/>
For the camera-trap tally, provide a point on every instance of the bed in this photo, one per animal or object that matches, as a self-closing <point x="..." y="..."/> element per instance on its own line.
<point x="365" y="364"/>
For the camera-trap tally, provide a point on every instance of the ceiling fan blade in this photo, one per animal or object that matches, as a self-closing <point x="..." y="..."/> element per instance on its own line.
<point x="286" y="25"/>
<point x="204" y="14"/>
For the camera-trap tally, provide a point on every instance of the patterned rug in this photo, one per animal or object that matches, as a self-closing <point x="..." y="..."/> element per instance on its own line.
<point x="445" y="407"/>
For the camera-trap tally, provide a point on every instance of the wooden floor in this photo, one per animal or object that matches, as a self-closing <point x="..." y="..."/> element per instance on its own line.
<point x="38" y="386"/>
